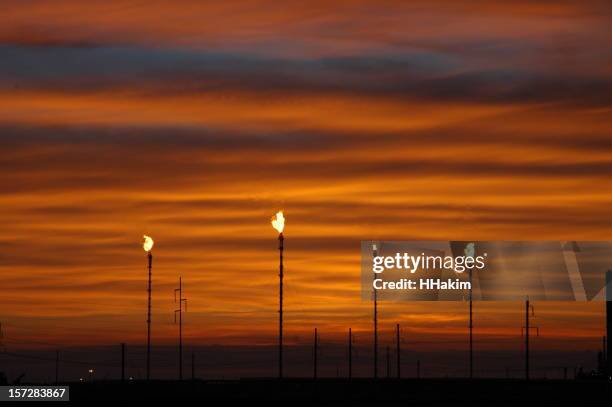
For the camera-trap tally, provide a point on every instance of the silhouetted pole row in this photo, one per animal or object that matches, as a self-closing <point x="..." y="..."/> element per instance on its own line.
<point x="375" y="254"/>
<point x="181" y="301"/>
<point x="398" y="350"/>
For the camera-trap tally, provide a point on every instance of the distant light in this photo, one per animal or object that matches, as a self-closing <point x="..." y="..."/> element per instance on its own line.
<point x="81" y="379"/>
<point x="91" y="370"/>
<point x="131" y="378"/>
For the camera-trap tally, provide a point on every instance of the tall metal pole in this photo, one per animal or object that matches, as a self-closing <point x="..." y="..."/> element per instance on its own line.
<point x="150" y="256"/>
<point x="397" y="350"/>
<point x="181" y="301"/>
<point x="388" y="363"/>
<point x="316" y="351"/>
<point x="375" y="253"/>
<point x="192" y="365"/>
<point x="528" y="329"/>
<point x="122" y="362"/>
<point x="56" y="366"/>
<point x="604" y="355"/>
<point x="527" y="339"/>
<point x="471" y="331"/>
<point x="280" y="309"/>
<point x="350" y="354"/>
<point x="609" y="322"/>
<point x="180" y="330"/>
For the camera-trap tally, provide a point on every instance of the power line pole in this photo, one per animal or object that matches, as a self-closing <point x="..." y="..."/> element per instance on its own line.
<point x="608" y="346"/>
<point x="471" y="331"/>
<point x="418" y="369"/>
<point x="375" y="254"/>
<point x="469" y="251"/>
<point x="56" y="366"/>
<point x="192" y="365"/>
<point x="397" y="350"/>
<point x="123" y="362"/>
<point x="280" y="305"/>
<point x="316" y="351"/>
<point x="388" y="364"/>
<point x="181" y="301"/>
<point x="350" y="354"/>
<point x="526" y="330"/>
<point x="150" y="257"/>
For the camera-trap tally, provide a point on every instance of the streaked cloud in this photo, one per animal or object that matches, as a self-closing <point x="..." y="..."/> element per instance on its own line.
<point x="195" y="122"/>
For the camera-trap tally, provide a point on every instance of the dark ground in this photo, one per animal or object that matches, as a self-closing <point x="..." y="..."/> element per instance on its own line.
<point x="335" y="392"/>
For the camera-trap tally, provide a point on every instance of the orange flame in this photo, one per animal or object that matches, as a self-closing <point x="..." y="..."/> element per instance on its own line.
<point x="278" y="222"/>
<point x="148" y="243"/>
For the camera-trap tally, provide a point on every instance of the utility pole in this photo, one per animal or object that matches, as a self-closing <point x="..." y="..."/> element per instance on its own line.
<point x="388" y="364"/>
<point x="350" y="354"/>
<point x="192" y="365"/>
<point x="397" y="350"/>
<point x="181" y="301"/>
<point x="375" y="254"/>
<point x="471" y="331"/>
<point x="418" y="369"/>
<point x="316" y="351"/>
<point x="526" y="330"/>
<point x="469" y="251"/>
<point x="56" y="366"/>
<point x="608" y="347"/>
<point x="150" y="257"/>
<point x="123" y="362"/>
<point x="281" y="240"/>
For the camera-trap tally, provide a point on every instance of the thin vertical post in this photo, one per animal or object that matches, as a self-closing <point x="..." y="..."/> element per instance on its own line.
<point x="375" y="254"/>
<point x="180" y="329"/>
<point x="280" y="310"/>
<point x="192" y="365"/>
<point x="608" y="347"/>
<point x="527" y="339"/>
<point x="398" y="350"/>
<point x="181" y="301"/>
<point x="316" y="351"/>
<point x="150" y="256"/>
<point x="471" y="330"/>
<point x="388" y="363"/>
<point x="350" y="354"/>
<point x="122" y="362"/>
<point x="56" y="366"/>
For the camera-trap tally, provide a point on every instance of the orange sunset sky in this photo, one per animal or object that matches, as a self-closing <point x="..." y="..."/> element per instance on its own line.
<point x="194" y="122"/>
